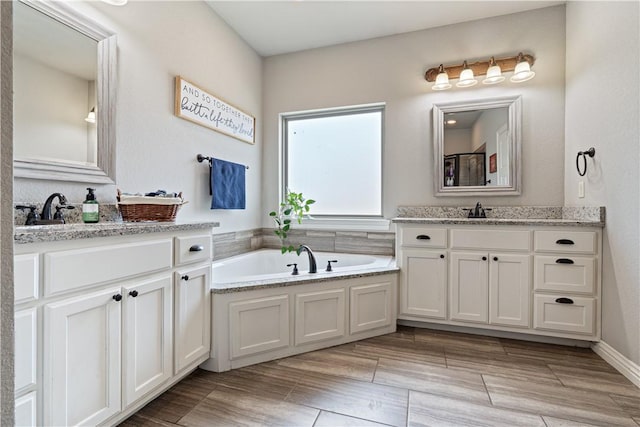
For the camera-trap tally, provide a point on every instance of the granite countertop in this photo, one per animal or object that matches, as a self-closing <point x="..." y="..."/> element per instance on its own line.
<point x="53" y="233"/>
<point x="505" y="215"/>
<point x="226" y="288"/>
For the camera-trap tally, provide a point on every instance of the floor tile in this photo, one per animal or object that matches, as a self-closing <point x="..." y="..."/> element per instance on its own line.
<point x="500" y="365"/>
<point x="557" y="422"/>
<point x="375" y="402"/>
<point x="430" y="410"/>
<point x="137" y="420"/>
<point x="333" y="363"/>
<point x="331" y="419"/>
<point x="458" y="341"/>
<point x="604" y="382"/>
<point x="264" y="379"/>
<point x="178" y="400"/>
<point x="432" y="379"/>
<point x="556" y="401"/>
<point x="226" y="406"/>
<point x="630" y="405"/>
<point x="400" y="350"/>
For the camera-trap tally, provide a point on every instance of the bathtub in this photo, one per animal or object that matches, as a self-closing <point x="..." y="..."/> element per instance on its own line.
<point x="270" y="266"/>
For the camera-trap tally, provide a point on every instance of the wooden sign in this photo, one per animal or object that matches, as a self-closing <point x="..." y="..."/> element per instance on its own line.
<point x="200" y="107"/>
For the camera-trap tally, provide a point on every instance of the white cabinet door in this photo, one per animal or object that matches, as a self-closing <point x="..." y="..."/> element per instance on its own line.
<point x="469" y="287"/>
<point x="371" y="307"/>
<point x="26" y="410"/>
<point x="26" y="350"/>
<point x="192" y="329"/>
<point x="147" y="337"/>
<point x="82" y="359"/>
<point x="423" y="283"/>
<point x="319" y="315"/>
<point x="258" y="325"/>
<point x="509" y="289"/>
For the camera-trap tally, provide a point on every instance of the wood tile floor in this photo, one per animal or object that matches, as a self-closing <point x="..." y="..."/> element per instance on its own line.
<point x="414" y="377"/>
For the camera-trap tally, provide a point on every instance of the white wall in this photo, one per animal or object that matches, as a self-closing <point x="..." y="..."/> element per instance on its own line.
<point x="391" y="70"/>
<point x="457" y="141"/>
<point x="602" y="97"/>
<point x="49" y="109"/>
<point x="484" y="132"/>
<point x="156" y="150"/>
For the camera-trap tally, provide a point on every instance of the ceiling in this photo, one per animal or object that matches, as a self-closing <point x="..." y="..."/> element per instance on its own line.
<point x="276" y="27"/>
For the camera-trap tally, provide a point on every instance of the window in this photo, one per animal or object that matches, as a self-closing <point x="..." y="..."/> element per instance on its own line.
<point x="335" y="157"/>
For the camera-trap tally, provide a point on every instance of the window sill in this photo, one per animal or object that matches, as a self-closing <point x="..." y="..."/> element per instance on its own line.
<point x="348" y="224"/>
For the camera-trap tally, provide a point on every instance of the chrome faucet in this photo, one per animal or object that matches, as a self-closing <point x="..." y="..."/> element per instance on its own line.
<point x="46" y="209"/>
<point x="312" y="259"/>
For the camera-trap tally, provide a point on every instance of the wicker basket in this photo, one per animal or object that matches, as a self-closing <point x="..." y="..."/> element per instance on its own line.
<point x="149" y="212"/>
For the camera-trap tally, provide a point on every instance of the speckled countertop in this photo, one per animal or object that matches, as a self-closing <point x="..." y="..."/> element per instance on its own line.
<point x="504" y="215"/>
<point x="278" y="282"/>
<point x="53" y="233"/>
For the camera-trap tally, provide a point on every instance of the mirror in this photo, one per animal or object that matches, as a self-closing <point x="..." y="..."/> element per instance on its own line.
<point x="477" y="147"/>
<point x="64" y="67"/>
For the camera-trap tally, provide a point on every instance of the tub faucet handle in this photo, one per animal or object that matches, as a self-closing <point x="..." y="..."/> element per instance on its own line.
<point x="295" y="269"/>
<point x="329" y="268"/>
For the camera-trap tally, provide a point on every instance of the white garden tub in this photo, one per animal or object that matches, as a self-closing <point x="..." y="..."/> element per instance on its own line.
<point x="269" y="266"/>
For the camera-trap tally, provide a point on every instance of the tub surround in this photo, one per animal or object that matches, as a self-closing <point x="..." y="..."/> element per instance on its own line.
<point x="504" y="215"/>
<point x="354" y="242"/>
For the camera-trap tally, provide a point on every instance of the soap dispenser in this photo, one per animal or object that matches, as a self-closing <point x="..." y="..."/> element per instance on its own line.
<point x="90" y="213"/>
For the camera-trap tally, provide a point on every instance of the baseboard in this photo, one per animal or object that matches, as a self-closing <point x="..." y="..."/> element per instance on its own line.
<point x="625" y="366"/>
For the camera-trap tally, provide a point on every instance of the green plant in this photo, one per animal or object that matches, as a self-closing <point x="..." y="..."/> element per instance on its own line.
<point x="294" y="207"/>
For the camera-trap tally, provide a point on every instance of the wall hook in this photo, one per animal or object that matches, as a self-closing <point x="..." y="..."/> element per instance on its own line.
<point x="583" y="170"/>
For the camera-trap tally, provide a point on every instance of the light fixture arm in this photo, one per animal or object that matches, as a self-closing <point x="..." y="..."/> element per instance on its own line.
<point x="480" y="67"/>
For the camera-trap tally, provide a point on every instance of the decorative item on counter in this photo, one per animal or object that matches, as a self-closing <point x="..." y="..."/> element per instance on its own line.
<point x="90" y="208"/>
<point x="154" y="206"/>
<point x="295" y="206"/>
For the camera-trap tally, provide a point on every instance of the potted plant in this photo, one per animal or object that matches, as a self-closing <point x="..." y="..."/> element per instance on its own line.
<point x="294" y="207"/>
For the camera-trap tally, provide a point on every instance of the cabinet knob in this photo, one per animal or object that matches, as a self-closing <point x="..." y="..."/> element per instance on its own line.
<point x="484" y="258"/>
<point x="185" y="277"/>
<point x="441" y="256"/>
<point x="133" y="293"/>
<point x="196" y="248"/>
<point x="117" y="297"/>
<point x="495" y="258"/>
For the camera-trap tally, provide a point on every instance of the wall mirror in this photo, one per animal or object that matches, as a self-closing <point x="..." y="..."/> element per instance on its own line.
<point x="477" y="147"/>
<point x="64" y="91"/>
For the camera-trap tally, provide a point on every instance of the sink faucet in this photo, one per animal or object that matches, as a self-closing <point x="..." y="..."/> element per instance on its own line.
<point x="478" y="211"/>
<point x="312" y="259"/>
<point x="46" y="209"/>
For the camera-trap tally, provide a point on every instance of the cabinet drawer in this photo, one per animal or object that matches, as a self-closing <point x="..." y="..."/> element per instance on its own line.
<point x="577" y="317"/>
<point x="517" y="240"/>
<point x="575" y="242"/>
<point x="67" y="270"/>
<point x="423" y="237"/>
<point x="192" y="249"/>
<point x="564" y="274"/>
<point x="26" y="269"/>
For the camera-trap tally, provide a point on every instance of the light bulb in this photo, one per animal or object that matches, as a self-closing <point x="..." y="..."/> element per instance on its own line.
<point x="494" y="73"/>
<point x="466" y="77"/>
<point x="442" y="80"/>
<point x="522" y="72"/>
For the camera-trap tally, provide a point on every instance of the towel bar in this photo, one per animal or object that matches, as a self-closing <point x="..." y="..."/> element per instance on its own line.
<point x="200" y="158"/>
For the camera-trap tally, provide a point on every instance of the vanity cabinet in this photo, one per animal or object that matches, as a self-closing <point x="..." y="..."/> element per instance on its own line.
<point x="114" y="315"/>
<point x="542" y="280"/>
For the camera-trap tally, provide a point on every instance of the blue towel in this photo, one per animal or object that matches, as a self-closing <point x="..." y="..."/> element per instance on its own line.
<point x="227" y="185"/>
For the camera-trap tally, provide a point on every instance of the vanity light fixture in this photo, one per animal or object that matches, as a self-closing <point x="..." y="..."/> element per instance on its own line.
<point x="451" y="122"/>
<point x="442" y="79"/>
<point x="91" y="117"/>
<point x="466" y="76"/>
<point x="493" y="68"/>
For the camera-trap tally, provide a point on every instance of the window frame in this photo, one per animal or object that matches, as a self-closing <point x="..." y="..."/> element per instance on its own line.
<point x="285" y="118"/>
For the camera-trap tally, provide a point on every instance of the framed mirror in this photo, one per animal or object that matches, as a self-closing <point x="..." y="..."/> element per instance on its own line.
<point x="64" y="94"/>
<point x="477" y="147"/>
